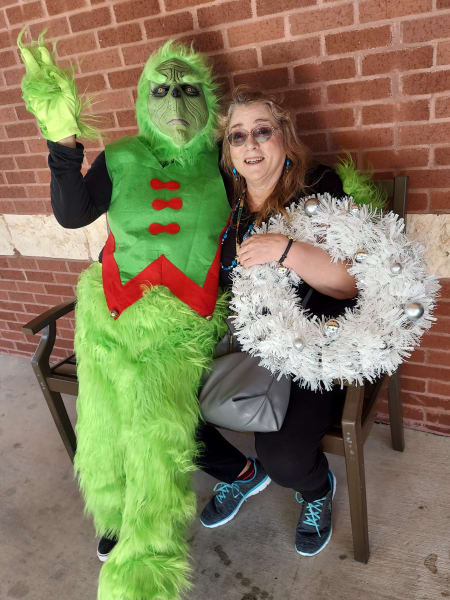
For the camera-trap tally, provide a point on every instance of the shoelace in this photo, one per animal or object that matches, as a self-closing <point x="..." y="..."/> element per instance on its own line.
<point x="313" y="511"/>
<point x="224" y="489"/>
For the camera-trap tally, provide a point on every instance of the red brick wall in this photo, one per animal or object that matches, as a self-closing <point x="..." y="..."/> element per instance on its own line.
<point x="368" y="76"/>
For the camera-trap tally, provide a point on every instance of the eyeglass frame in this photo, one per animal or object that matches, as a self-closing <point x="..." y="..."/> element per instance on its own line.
<point x="273" y="129"/>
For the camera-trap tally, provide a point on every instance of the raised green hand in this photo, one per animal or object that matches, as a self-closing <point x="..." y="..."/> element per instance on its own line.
<point x="50" y="94"/>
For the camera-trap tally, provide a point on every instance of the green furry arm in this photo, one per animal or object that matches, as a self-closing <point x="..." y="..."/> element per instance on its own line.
<point x="51" y="95"/>
<point x="359" y="185"/>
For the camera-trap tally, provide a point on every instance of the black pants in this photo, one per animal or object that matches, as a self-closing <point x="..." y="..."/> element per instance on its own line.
<point x="292" y="456"/>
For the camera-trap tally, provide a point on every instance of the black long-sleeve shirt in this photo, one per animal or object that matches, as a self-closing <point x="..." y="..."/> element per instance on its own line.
<point x="76" y="200"/>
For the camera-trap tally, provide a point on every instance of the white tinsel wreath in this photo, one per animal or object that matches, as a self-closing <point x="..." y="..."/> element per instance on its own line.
<point x="393" y="308"/>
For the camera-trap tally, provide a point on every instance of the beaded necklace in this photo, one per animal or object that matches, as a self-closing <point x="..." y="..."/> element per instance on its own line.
<point x="239" y="206"/>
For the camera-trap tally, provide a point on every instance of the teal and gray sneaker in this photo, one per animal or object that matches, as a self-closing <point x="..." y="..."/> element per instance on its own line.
<point x="314" y="525"/>
<point x="229" y="497"/>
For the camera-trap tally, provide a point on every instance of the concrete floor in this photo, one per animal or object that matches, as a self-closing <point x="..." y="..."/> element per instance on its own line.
<point x="47" y="547"/>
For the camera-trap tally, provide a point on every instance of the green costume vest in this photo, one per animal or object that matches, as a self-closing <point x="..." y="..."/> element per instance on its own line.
<point x="166" y="224"/>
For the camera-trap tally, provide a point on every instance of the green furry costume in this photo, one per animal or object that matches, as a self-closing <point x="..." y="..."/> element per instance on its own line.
<point x="142" y="340"/>
<point x="136" y="439"/>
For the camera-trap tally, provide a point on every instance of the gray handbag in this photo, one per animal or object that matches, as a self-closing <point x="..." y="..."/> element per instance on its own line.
<point x="239" y="394"/>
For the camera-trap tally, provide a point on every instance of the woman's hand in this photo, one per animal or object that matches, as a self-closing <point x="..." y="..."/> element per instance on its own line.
<point x="262" y="248"/>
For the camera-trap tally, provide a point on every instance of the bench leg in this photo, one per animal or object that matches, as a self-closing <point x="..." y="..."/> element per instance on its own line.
<point x="58" y="411"/>
<point x="354" y="462"/>
<point x="395" y="413"/>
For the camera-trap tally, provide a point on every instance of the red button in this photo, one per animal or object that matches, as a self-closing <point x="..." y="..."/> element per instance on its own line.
<point x="157" y="184"/>
<point x="174" y="203"/>
<point x="156" y="228"/>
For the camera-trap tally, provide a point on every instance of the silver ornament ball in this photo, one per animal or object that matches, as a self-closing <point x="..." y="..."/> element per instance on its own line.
<point x="414" y="311"/>
<point x="331" y="327"/>
<point x="311" y="207"/>
<point x="298" y="343"/>
<point x="396" y="268"/>
<point x="354" y="209"/>
<point x="361" y="255"/>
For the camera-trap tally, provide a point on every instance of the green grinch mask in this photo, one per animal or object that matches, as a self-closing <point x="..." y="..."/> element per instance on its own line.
<point x="177" y="106"/>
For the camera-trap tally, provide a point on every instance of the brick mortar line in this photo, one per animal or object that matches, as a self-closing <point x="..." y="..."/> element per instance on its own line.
<point x="259" y="57"/>
<point x="358" y="56"/>
<point x="308" y="9"/>
<point x="396" y="34"/>
<point x="402" y="377"/>
<point x="428" y="364"/>
<point x="337" y="129"/>
<point x="281" y="89"/>
<point x="195" y="22"/>
<point x="419" y="16"/>
<point x="323" y="46"/>
<point x="286" y="27"/>
<point x="288" y="35"/>
<point x="424" y="394"/>
<point x="432" y="410"/>
<point x="435" y="54"/>
<point x="304" y="9"/>
<point x="220" y="27"/>
<point x="261" y="45"/>
<point x="358" y="24"/>
<point x="162" y="8"/>
<point x="355" y="150"/>
<point x="113" y="14"/>
<point x="356" y="14"/>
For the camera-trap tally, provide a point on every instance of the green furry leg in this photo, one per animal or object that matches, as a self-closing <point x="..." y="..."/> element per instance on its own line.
<point x="151" y="360"/>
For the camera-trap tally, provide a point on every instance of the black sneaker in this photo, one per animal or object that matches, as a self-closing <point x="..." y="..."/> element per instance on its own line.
<point x="314" y="525"/>
<point x="230" y="496"/>
<point x="105" y="546"/>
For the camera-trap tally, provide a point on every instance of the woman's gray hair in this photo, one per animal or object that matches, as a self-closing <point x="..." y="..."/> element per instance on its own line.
<point x="292" y="180"/>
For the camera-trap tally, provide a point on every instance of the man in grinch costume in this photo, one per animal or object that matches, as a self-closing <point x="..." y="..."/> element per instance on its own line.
<point x="148" y="318"/>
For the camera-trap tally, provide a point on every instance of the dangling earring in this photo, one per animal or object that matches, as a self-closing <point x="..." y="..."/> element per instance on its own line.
<point x="287" y="164"/>
<point x="235" y="174"/>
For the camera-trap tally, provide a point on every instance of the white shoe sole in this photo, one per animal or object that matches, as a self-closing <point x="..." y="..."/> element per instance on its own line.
<point x="262" y="486"/>
<point x="102" y="557"/>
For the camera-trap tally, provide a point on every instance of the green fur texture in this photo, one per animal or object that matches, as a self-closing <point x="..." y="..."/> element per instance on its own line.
<point x="162" y="146"/>
<point x="137" y="416"/>
<point x="360" y="185"/>
<point x="50" y="93"/>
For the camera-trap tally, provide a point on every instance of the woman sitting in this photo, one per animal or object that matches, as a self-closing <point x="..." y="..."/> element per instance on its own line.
<point x="270" y="169"/>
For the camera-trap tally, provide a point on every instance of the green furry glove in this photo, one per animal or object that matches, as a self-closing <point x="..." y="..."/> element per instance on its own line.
<point x="51" y="95"/>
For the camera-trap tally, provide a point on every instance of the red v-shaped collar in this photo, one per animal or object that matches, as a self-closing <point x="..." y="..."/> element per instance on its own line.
<point x="160" y="272"/>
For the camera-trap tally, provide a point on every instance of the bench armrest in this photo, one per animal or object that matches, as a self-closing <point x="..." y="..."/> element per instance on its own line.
<point x="49" y="316"/>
